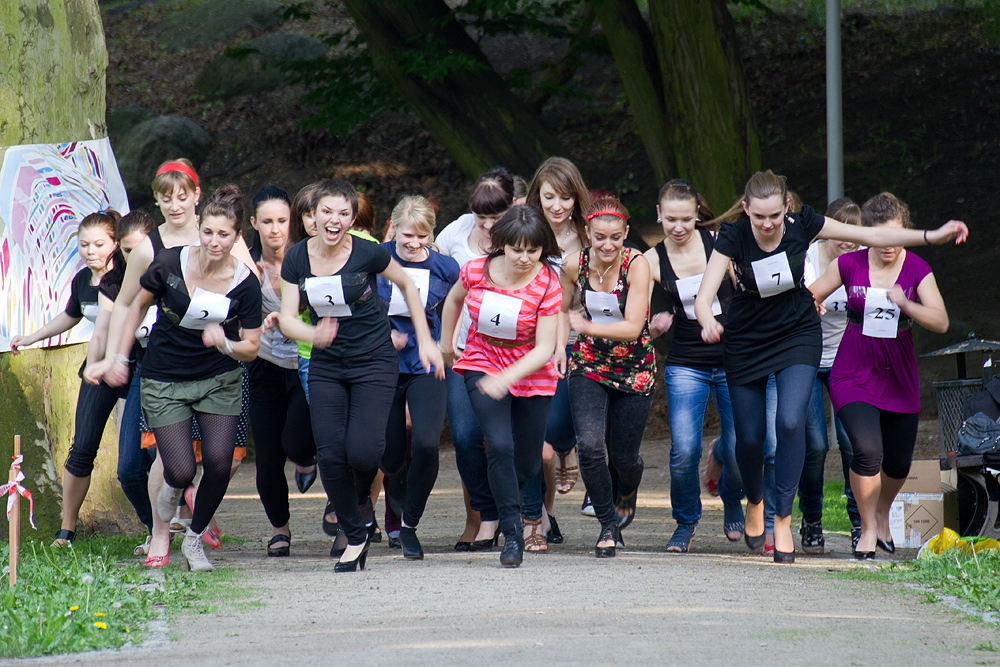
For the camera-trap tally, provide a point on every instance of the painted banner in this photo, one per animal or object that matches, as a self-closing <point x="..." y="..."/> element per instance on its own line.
<point x="45" y="191"/>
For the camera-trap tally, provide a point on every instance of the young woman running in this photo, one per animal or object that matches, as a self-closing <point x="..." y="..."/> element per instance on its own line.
<point x="354" y="367"/>
<point x="208" y="319"/>
<point x="612" y="367"/>
<point x="513" y="298"/>
<point x="694" y="369"/>
<point x="772" y="327"/>
<point x="465" y="239"/>
<point x="177" y="194"/>
<point x="873" y="383"/>
<point x="558" y="190"/>
<point x="426" y="396"/>
<point x="98" y="249"/>
<point x="133" y="462"/>
<point x="279" y="413"/>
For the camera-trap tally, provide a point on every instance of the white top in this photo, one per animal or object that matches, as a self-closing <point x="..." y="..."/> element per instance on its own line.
<point x="274" y="347"/>
<point x="454" y="242"/>
<point x="834" y="322"/>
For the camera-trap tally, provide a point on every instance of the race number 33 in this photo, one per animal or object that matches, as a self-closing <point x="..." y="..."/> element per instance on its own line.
<point x="881" y="319"/>
<point x="773" y="275"/>
<point x="498" y="316"/>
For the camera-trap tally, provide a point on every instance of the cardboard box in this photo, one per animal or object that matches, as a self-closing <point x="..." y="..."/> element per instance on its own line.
<point x="923" y="506"/>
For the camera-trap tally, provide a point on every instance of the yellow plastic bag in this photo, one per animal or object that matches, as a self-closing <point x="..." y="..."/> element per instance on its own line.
<point x="949" y="539"/>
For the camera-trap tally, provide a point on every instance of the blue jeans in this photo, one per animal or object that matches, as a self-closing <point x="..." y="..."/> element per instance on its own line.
<point x="470" y="448"/>
<point x="560" y="434"/>
<point x="688" y="390"/>
<point x="304" y="376"/>
<point x="134" y="461"/>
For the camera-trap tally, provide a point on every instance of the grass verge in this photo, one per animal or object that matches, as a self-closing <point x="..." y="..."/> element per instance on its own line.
<point x="834" y="508"/>
<point x="98" y="595"/>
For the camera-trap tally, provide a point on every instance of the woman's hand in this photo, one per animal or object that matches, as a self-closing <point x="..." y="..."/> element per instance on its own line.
<point x="577" y="322"/>
<point x="952" y="230"/>
<point x="559" y="359"/>
<point x="898" y="297"/>
<point x="492" y="386"/>
<point x="820" y="308"/>
<point x="326" y="331"/>
<point x="93" y="373"/>
<point x="660" y="323"/>
<point x="431" y="357"/>
<point x="448" y="356"/>
<point x="399" y="339"/>
<point x="117" y="373"/>
<point x="214" y="336"/>
<point x="270" y="321"/>
<point x="16" y="342"/>
<point x="711" y="333"/>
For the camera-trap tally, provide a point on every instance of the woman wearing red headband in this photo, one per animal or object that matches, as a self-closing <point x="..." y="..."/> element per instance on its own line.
<point x="612" y="367"/>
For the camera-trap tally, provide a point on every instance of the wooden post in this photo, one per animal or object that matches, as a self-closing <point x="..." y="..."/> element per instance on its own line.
<point x="14" y="534"/>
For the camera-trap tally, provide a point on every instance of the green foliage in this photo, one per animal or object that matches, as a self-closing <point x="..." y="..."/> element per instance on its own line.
<point x="834" y="507"/>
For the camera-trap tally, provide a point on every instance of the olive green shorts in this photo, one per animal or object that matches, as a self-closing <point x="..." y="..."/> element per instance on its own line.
<point x="166" y="403"/>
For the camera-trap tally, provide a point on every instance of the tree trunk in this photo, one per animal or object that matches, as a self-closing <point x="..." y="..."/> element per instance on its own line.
<point x="52" y="91"/>
<point x="712" y="127"/>
<point x="471" y="111"/>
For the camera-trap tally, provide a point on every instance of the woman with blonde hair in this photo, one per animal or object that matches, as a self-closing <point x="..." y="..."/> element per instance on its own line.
<point x="410" y="483"/>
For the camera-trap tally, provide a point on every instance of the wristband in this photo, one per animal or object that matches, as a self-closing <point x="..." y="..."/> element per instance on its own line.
<point x="925" y="238"/>
<point x="121" y="359"/>
<point x="228" y="348"/>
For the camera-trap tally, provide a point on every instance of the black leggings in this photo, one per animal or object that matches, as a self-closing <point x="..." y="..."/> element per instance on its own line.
<point x="881" y="440"/>
<point x="218" y="440"/>
<point x="795" y="385"/>
<point x="611" y="421"/>
<point x="514" y="428"/>
<point x="279" y="416"/>
<point x="409" y="486"/>
<point x="94" y="405"/>
<point x="349" y="401"/>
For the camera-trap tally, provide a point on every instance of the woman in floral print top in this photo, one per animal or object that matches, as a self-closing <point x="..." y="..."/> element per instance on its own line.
<point x="612" y="367"/>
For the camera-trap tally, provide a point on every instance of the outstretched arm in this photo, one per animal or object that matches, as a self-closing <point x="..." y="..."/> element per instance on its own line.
<point x="884" y="236"/>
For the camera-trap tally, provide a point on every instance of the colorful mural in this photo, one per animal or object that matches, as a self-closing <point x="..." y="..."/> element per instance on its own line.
<point x="45" y="190"/>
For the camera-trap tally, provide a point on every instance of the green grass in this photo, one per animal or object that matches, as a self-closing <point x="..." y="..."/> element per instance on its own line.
<point x="834" y="508"/>
<point x="969" y="577"/>
<point x="92" y="596"/>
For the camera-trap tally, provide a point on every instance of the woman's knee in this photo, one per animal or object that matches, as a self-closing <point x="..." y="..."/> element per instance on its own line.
<point x="80" y="461"/>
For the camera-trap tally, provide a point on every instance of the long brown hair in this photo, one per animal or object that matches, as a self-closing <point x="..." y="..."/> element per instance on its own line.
<point x="761" y="185"/>
<point x="565" y="179"/>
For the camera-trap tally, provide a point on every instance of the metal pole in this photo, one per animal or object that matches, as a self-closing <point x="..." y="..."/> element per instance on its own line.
<point x="834" y="105"/>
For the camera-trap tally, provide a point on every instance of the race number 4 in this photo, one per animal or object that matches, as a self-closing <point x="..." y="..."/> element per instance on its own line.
<point x="881" y="318"/>
<point x="773" y="275"/>
<point x="498" y="316"/>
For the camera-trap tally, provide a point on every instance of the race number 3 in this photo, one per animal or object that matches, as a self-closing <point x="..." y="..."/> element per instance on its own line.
<point x="881" y="318"/>
<point x="773" y="275"/>
<point x="326" y="296"/>
<point x="498" y="316"/>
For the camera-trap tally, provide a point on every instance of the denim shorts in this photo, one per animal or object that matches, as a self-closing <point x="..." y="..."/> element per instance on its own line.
<point x="166" y="403"/>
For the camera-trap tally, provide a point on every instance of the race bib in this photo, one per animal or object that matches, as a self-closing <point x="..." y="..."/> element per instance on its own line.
<point x="205" y="308"/>
<point x="326" y="296"/>
<point x="687" y="290"/>
<point x="881" y="318"/>
<point x="498" y="316"/>
<point x="146" y="326"/>
<point x="90" y="312"/>
<point x="422" y="279"/>
<point x="773" y="275"/>
<point x="603" y="307"/>
<point x="281" y="347"/>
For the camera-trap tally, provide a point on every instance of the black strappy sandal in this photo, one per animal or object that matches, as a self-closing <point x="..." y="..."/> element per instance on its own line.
<point x="278" y="552"/>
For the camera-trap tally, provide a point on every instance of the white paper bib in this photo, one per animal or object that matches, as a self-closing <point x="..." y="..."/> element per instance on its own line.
<point x="326" y="296"/>
<point x="206" y="308"/>
<point x="146" y="326"/>
<point x="422" y="279"/>
<point x="90" y="312"/>
<point x="603" y="307"/>
<point x="498" y="315"/>
<point x="773" y="275"/>
<point x="687" y="290"/>
<point x="283" y="348"/>
<point x="881" y="317"/>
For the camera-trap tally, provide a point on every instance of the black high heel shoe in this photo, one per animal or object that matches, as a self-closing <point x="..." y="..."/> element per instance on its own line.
<point x="626" y="504"/>
<point x="754" y="542"/>
<point x="554" y="536"/>
<point x="303" y="480"/>
<point x="888" y="547"/>
<point x="784" y="557"/>
<point x="609" y="533"/>
<point x="412" y="550"/>
<point x="353" y="565"/>
<point x="864" y="555"/>
<point x="483" y="545"/>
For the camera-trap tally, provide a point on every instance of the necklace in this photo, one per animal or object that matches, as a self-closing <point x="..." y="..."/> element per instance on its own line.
<point x="609" y="267"/>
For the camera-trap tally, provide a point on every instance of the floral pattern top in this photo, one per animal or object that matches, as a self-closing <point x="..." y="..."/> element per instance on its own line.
<point x="628" y="366"/>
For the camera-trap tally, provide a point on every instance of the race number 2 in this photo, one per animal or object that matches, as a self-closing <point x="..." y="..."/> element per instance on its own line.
<point x="205" y="308"/>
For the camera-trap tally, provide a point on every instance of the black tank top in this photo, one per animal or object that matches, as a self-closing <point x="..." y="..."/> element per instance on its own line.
<point x="687" y="348"/>
<point x="154" y="238"/>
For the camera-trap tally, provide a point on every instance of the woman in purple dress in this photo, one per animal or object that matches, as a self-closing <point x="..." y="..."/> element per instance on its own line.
<point x="873" y="383"/>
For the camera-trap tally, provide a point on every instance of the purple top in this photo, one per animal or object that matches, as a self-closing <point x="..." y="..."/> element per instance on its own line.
<point x="878" y="371"/>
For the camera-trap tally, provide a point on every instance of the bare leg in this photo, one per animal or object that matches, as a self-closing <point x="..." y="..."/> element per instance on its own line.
<point x="754" y="525"/>
<point x="74" y="492"/>
<point x="866" y="492"/>
<point x="160" y="545"/>
<point x="549" y="469"/>
<point x="890" y="487"/>
<point x="783" y="540"/>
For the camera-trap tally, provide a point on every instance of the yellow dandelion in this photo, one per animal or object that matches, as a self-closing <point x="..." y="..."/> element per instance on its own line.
<point x="74" y="608"/>
<point x="99" y="613"/>
<point x="127" y="630"/>
<point x="101" y="625"/>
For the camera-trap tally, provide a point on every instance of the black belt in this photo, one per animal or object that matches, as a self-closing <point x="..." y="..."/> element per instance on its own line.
<point x="857" y="318"/>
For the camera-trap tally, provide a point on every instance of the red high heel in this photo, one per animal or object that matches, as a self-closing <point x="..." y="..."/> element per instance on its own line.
<point x="212" y="537"/>
<point x="157" y="562"/>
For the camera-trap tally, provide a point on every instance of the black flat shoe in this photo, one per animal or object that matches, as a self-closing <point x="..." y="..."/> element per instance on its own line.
<point x="353" y="565"/>
<point x="609" y="533"/>
<point x="394" y="543"/>
<point x="331" y="528"/>
<point x="483" y="545"/>
<point x="411" y="545"/>
<point x="784" y="557"/>
<point x="513" y="549"/>
<point x="554" y="536"/>
<point x="66" y="537"/>
<point x="303" y="480"/>
<point x="277" y="552"/>
<point x="864" y="555"/>
<point x="754" y="542"/>
<point x="887" y="547"/>
<point x="463" y="546"/>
